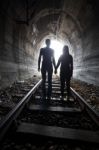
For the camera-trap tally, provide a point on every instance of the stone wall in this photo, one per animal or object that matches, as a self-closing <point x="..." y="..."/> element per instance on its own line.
<point x="16" y="52"/>
<point x="87" y="64"/>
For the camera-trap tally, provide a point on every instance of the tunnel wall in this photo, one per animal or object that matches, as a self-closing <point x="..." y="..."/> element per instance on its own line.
<point x="88" y="70"/>
<point x="16" y="52"/>
<point x="87" y="63"/>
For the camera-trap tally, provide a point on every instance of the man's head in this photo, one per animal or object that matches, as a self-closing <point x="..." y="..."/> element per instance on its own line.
<point x="66" y="50"/>
<point x="48" y="42"/>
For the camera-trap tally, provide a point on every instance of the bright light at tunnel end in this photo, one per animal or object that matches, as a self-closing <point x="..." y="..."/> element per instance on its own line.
<point x="57" y="46"/>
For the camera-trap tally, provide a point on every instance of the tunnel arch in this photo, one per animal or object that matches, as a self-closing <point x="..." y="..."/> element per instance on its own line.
<point x="45" y="13"/>
<point x="59" y="12"/>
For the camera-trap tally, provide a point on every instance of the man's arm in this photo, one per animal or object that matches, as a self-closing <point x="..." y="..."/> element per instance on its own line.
<point x="59" y="61"/>
<point x="54" y="63"/>
<point x="39" y="59"/>
<point x="53" y="60"/>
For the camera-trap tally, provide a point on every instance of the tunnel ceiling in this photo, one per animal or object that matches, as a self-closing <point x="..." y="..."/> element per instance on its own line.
<point x="50" y="17"/>
<point x="67" y="20"/>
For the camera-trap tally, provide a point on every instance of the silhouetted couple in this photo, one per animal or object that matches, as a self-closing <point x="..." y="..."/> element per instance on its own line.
<point x="48" y="61"/>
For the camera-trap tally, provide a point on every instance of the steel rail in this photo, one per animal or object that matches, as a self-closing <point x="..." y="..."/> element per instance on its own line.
<point x="11" y="116"/>
<point x="85" y="106"/>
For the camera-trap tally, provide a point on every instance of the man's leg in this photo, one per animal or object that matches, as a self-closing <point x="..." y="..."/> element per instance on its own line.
<point x="43" y="82"/>
<point x="49" y="83"/>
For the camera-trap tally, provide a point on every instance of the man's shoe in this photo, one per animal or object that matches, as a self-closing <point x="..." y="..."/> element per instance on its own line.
<point x="43" y="97"/>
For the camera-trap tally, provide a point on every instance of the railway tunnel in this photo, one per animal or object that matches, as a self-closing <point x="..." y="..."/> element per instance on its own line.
<point x="25" y="24"/>
<point x="48" y="123"/>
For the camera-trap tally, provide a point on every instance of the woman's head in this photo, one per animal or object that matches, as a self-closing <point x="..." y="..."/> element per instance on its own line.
<point x="66" y="50"/>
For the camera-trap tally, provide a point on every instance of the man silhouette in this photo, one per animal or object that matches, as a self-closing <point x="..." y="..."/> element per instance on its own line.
<point x="66" y="70"/>
<point x="48" y="61"/>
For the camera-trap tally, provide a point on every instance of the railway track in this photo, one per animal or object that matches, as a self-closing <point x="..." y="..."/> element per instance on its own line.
<point x="34" y="118"/>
